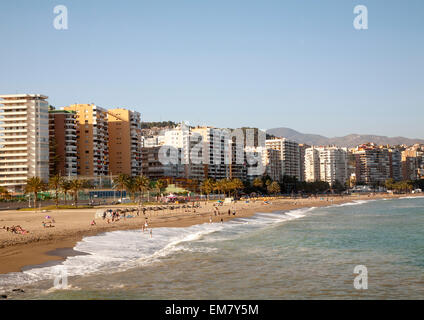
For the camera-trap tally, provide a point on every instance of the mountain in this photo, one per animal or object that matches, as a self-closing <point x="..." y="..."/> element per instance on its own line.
<point x="350" y="140"/>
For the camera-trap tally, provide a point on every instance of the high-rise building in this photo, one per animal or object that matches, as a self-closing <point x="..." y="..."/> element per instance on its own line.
<point x="312" y="165"/>
<point x="63" y="143"/>
<point x="333" y="165"/>
<point x="326" y="164"/>
<point x="272" y="163"/>
<point x="302" y="150"/>
<point x="372" y="164"/>
<point x="290" y="155"/>
<point x="92" y="140"/>
<point x="124" y="127"/>
<point x="24" y="139"/>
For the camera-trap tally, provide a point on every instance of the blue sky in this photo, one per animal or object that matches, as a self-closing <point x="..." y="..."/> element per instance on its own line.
<point x="296" y="63"/>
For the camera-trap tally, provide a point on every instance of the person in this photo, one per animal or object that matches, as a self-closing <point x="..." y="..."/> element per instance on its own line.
<point x="222" y="220"/>
<point x="234" y="212"/>
<point x="210" y="219"/>
<point x="151" y="233"/>
<point x="229" y="212"/>
<point x="93" y="223"/>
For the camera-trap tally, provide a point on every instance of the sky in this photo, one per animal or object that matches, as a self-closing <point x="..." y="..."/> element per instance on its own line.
<point x="226" y="63"/>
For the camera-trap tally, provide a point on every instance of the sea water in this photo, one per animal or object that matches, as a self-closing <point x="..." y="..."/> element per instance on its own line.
<point x="307" y="253"/>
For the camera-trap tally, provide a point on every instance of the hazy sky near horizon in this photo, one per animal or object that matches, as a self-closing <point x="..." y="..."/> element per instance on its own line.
<point x="227" y="63"/>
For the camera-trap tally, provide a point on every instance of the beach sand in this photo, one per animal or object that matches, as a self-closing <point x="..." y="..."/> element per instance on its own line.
<point x="40" y="245"/>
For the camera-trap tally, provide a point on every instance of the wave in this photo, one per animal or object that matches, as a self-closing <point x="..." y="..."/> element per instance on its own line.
<point x="121" y="250"/>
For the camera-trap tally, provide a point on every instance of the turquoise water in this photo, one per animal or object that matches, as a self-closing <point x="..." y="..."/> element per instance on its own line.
<point x="301" y="254"/>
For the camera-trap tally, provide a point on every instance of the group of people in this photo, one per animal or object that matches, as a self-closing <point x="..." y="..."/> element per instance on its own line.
<point x="16" y="229"/>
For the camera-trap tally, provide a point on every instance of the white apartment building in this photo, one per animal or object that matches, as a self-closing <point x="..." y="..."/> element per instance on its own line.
<point x="312" y="165"/>
<point x="24" y="139"/>
<point x="326" y="164"/>
<point x="290" y="156"/>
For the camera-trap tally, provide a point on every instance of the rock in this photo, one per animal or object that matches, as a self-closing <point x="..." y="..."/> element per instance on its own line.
<point x="3" y="296"/>
<point x="18" y="290"/>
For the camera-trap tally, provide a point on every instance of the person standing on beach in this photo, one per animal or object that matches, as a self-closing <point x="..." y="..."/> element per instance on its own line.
<point x="151" y="233"/>
<point x="229" y="212"/>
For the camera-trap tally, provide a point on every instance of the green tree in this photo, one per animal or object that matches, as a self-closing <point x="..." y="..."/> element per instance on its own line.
<point x="142" y="184"/>
<point x="207" y="187"/>
<point x="76" y="186"/>
<point x="160" y="185"/>
<point x="34" y="185"/>
<point x="120" y="182"/>
<point x="55" y="183"/>
<point x="258" y="183"/>
<point x="65" y="186"/>
<point x="273" y="187"/>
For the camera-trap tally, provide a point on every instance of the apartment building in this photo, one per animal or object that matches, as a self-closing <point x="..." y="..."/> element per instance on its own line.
<point x="272" y="163"/>
<point x="92" y="140"/>
<point x="289" y="153"/>
<point x="329" y="164"/>
<point x="24" y="139"/>
<point x="333" y="165"/>
<point x="124" y="129"/>
<point x="312" y="165"/>
<point x="302" y="151"/>
<point x="63" y="143"/>
<point x="412" y="163"/>
<point x="372" y="164"/>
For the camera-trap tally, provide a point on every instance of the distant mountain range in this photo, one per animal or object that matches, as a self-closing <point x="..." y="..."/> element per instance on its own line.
<point x="350" y="140"/>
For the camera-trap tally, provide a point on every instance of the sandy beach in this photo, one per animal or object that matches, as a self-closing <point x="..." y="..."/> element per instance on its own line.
<point x="20" y="250"/>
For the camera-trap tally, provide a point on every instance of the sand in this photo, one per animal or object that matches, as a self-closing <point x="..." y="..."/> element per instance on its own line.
<point x="38" y="246"/>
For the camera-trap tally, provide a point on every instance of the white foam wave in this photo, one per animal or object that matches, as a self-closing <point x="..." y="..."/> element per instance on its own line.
<point x="120" y="250"/>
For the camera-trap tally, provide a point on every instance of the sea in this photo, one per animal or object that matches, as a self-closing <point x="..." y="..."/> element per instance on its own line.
<point x="309" y="253"/>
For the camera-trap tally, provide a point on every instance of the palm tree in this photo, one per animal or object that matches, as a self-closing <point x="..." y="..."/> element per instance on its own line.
<point x="160" y="185"/>
<point x="258" y="183"/>
<point x="4" y="193"/>
<point x="76" y="186"/>
<point x="131" y="187"/>
<point x="65" y="186"/>
<point x="120" y="182"/>
<point x="207" y="186"/>
<point x="34" y="185"/>
<point x="236" y="185"/>
<point x="55" y="184"/>
<point x="273" y="187"/>
<point x="142" y="184"/>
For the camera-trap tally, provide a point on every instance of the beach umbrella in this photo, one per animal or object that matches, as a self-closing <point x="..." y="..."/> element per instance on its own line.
<point x="47" y="217"/>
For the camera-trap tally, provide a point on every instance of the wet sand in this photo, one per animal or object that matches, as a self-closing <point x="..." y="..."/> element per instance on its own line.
<point x="52" y="245"/>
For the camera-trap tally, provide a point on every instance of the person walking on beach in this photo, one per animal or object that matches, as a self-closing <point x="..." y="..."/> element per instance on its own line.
<point x="222" y="220"/>
<point x="229" y="212"/>
<point x="151" y="233"/>
<point x="210" y="219"/>
<point x="234" y="212"/>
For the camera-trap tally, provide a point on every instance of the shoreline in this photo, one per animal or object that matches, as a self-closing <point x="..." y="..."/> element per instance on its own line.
<point x="44" y="247"/>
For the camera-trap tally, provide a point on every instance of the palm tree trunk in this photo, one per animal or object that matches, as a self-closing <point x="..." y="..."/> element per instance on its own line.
<point x="35" y="200"/>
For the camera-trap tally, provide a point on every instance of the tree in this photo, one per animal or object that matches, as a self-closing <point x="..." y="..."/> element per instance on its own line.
<point x="76" y="186"/>
<point x="34" y="185"/>
<point x="258" y="183"/>
<point x="120" y="182"/>
<point x="65" y="186"/>
<point x="131" y="187"/>
<point x="237" y="185"/>
<point x="55" y="184"/>
<point x="389" y="184"/>
<point x="273" y="187"/>
<point x="160" y="185"/>
<point x="142" y="184"/>
<point x="4" y="193"/>
<point x="207" y="186"/>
